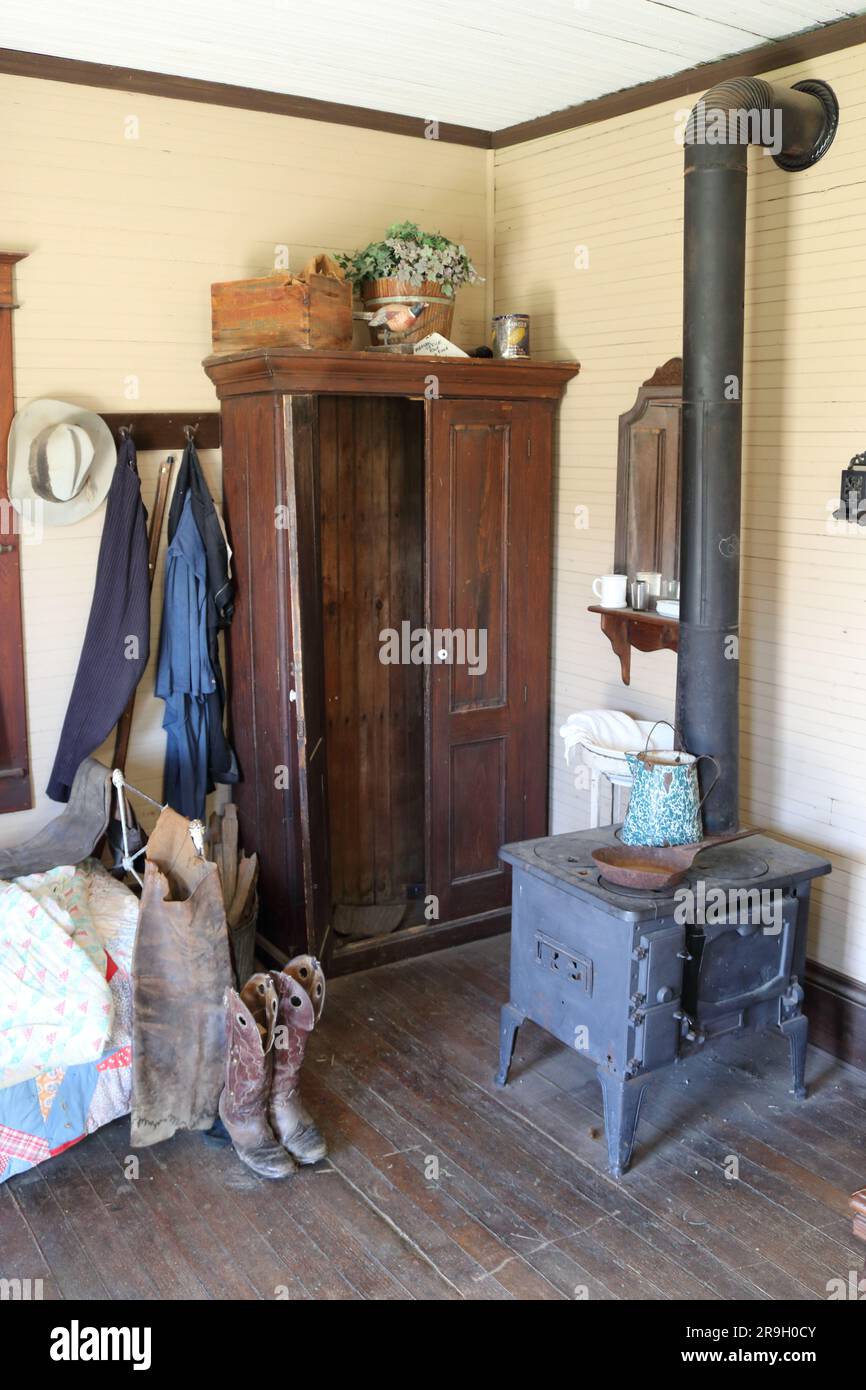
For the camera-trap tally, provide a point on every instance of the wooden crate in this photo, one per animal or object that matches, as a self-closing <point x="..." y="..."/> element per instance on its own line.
<point x="313" y="311"/>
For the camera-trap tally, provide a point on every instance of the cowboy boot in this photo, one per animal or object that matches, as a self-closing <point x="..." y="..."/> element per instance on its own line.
<point x="250" y="1022"/>
<point x="301" y="992"/>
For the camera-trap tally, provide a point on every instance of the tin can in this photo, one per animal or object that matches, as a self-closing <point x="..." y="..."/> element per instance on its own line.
<point x="511" y="335"/>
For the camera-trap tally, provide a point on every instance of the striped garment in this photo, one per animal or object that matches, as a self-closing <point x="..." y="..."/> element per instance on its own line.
<point x="117" y="641"/>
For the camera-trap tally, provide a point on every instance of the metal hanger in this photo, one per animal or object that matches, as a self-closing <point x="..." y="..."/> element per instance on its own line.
<point x="122" y="787"/>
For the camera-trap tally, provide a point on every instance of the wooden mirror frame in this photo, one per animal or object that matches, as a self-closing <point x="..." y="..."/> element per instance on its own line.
<point x="664" y="388"/>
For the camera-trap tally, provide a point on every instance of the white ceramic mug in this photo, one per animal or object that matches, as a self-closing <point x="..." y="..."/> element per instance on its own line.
<point x="609" y="589"/>
<point x="653" y="581"/>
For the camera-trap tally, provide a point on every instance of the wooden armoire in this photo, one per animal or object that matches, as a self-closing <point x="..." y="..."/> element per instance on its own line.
<point x="372" y="498"/>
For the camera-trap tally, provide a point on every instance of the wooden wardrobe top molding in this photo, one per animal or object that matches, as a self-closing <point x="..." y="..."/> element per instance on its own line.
<point x="297" y="371"/>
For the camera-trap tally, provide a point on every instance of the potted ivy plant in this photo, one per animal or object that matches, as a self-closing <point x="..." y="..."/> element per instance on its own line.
<point x="411" y="267"/>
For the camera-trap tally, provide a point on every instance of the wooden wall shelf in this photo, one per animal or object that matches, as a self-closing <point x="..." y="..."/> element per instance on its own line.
<point x="626" y="628"/>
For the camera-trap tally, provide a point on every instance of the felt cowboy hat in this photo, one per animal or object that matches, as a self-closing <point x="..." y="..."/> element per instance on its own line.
<point x="61" y="459"/>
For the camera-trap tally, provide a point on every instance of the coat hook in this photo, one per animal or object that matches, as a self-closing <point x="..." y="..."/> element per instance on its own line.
<point x="126" y="431"/>
<point x="190" y="431"/>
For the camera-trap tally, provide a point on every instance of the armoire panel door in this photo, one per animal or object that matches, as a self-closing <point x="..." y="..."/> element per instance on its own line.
<point x="275" y="667"/>
<point x="488" y="611"/>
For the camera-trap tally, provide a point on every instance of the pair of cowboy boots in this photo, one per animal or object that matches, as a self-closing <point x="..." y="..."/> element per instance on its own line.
<point x="267" y="1029"/>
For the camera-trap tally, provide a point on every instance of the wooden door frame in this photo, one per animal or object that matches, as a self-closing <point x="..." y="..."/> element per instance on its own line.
<point x="15" y="785"/>
<point x="300" y="427"/>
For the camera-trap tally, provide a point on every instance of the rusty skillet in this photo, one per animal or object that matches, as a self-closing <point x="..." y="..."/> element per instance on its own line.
<point x="644" y="866"/>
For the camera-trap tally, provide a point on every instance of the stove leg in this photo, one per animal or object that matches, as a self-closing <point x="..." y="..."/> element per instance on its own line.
<point x="509" y="1022"/>
<point x="796" y="1030"/>
<point x="622" y="1103"/>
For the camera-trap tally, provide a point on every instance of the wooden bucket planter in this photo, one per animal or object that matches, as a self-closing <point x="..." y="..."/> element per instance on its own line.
<point x="437" y="318"/>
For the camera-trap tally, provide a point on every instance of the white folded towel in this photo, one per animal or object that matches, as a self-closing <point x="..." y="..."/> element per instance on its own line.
<point x="611" y="729"/>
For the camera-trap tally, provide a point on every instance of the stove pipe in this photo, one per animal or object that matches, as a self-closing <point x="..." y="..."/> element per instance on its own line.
<point x="798" y="123"/>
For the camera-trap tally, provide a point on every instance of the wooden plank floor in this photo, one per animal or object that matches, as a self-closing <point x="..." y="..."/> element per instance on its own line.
<point x="440" y="1186"/>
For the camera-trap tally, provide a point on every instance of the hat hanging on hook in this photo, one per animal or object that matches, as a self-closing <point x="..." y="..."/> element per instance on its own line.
<point x="61" y="459"/>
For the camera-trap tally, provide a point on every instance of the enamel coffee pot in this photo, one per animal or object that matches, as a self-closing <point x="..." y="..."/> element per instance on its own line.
<point x="665" y="804"/>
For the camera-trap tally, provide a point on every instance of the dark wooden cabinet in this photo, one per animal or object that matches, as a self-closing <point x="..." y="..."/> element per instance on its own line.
<point x="371" y="497"/>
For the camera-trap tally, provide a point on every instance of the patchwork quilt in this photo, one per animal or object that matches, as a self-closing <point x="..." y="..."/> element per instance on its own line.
<point x="66" y="941"/>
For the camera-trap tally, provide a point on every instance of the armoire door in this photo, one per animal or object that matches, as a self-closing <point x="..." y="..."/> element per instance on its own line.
<point x="275" y="665"/>
<point x="488" y="586"/>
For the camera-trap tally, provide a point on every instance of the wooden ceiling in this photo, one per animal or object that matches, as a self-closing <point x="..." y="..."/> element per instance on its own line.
<point x="486" y="64"/>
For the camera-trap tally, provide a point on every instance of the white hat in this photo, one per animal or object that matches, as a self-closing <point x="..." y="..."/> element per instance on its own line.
<point x="62" y="458"/>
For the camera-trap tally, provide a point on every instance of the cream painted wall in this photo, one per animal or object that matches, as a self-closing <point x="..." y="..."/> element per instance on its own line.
<point x="616" y="188"/>
<point x="125" y="237"/>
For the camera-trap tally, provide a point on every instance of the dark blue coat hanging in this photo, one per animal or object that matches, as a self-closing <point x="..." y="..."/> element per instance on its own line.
<point x="185" y="678"/>
<point x="192" y="489"/>
<point x="117" y="642"/>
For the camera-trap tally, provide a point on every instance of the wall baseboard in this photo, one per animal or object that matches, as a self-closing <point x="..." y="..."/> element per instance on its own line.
<point x="836" y="1007"/>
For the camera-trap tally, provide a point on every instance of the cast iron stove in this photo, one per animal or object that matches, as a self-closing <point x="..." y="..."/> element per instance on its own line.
<point x="634" y="980"/>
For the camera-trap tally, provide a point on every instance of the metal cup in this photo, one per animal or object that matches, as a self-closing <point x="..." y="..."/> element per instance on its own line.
<point x="639" y="592"/>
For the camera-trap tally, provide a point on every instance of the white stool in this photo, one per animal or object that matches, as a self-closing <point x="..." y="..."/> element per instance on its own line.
<point x="608" y="789"/>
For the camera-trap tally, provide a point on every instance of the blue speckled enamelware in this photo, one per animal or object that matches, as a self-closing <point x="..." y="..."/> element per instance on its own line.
<point x="665" y="804"/>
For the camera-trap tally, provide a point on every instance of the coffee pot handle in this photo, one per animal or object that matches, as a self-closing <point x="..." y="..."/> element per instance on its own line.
<point x="715" y="764"/>
<point x="677" y="735"/>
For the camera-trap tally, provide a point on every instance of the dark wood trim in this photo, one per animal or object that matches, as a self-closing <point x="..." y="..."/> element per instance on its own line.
<point x="18" y="63"/>
<point x="836" y="1007"/>
<point x="858" y="1206"/>
<point x="400" y="945"/>
<point x="297" y="370"/>
<point x="15" y="788"/>
<point x="779" y="53"/>
<point x="163" y="429"/>
<point x="417" y="941"/>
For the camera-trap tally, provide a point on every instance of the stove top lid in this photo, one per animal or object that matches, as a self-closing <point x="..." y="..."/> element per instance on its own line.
<point x="754" y="862"/>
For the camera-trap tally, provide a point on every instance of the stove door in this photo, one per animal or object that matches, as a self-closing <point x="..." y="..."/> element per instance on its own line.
<point x="737" y="964"/>
<point x="656" y="1015"/>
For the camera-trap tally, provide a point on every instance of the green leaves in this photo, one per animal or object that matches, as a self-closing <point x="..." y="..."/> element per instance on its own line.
<point x="407" y="253"/>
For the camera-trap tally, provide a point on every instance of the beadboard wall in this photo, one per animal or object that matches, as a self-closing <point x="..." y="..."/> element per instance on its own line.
<point x="130" y="207"/>
<point x="615" y="189"/>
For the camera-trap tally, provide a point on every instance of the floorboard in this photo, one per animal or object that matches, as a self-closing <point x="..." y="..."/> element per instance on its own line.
<point x="439" y="1186"/>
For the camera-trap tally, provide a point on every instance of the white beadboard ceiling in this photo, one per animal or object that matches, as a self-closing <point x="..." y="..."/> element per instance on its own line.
<point x="487" y="63"/>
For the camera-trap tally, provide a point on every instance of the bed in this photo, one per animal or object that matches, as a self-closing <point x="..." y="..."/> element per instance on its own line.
<point x="66" y="939"/>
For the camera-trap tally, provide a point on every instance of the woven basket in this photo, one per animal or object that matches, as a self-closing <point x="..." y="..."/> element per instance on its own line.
<point x="437" y="317"/>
